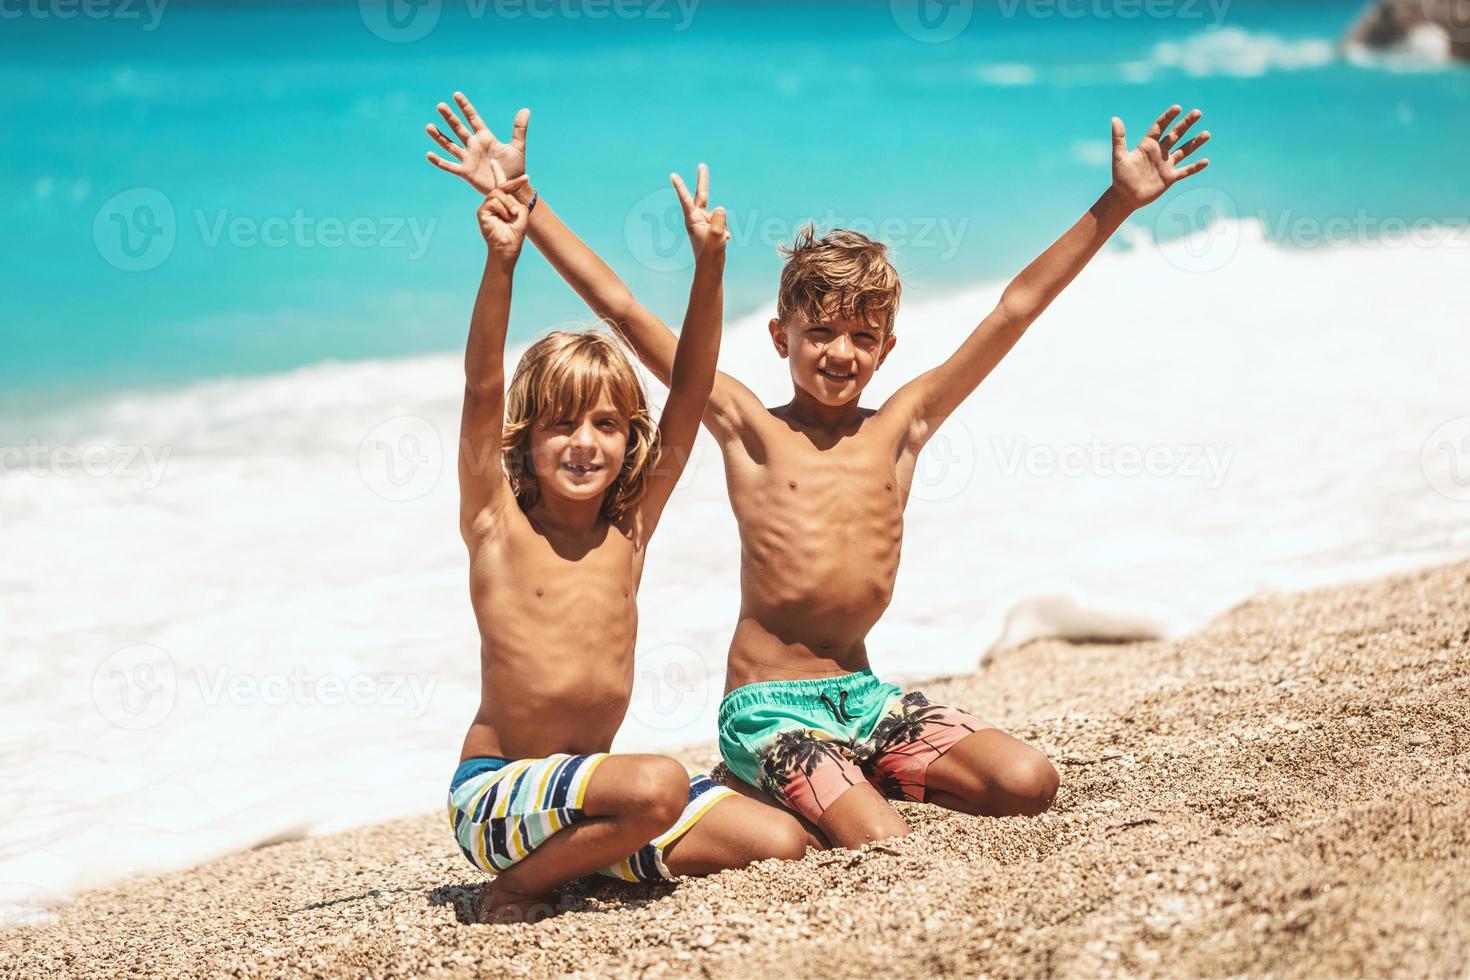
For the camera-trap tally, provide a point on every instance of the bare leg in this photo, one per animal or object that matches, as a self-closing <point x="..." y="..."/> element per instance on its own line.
<point x="734" y="833"/>
<point x="860" y="816"/>
<point x="630" y="800"/>
<point x="726" y="778"/>
<point x="992" y="774"/>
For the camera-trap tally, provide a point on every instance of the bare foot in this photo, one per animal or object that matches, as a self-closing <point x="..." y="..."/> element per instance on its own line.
<point x="500" y="905"/>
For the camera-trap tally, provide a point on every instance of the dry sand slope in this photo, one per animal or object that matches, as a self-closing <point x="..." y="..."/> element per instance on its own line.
<point x="1285" y="793"/>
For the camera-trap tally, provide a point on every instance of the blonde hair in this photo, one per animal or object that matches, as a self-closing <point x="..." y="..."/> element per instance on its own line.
<point x="559" y="377"/>
<point x="843" y="274"/>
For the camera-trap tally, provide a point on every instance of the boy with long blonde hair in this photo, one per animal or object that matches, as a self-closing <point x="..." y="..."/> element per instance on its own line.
<point x="562" y="482"/>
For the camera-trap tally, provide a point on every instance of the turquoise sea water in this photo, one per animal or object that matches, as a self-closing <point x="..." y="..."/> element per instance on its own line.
<point x="213" y="189"/>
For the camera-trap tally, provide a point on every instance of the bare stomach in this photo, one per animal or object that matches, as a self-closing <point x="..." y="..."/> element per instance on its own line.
<point x="578" y="723"/>
<point x="800" y="640"/>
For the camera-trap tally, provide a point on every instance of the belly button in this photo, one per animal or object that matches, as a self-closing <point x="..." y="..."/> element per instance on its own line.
<point x="540" y="592"/>
<point x="791" y="484"/>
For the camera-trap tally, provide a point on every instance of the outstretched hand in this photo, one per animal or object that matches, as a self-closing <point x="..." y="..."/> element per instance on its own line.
<point x="478" y="156"/>
<point x="708" y="232"/>
<point x="1142" y="174"/>
<point x="503" y="220"/>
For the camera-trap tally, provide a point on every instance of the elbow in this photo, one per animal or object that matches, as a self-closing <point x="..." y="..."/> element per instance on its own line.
<point x="618" y="308"/>
<point x="483" y="386"/>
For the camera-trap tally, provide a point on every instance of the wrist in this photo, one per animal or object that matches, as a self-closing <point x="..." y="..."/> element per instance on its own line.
<point x="498" y="260"/>
<point x="1115" y="204"/>
<point x="526" y="194"/>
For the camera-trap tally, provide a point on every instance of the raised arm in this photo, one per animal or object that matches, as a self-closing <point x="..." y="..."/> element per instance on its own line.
<point x="1140" y="176"/>
<point x="483" y="490"/>
<point x="693" y="374"/>
<point x="477" y="156"/>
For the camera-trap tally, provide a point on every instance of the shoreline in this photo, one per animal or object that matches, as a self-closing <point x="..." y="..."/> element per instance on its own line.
<point x="1281" y="792"/>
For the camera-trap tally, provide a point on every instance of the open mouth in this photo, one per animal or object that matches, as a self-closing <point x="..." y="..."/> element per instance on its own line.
<point x="577" y="470"/>
<point x="834" y="375"/>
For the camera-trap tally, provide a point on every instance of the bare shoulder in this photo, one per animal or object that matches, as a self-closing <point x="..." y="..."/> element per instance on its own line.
<point x="734" y="413"/>
<point x="493" y="525"/>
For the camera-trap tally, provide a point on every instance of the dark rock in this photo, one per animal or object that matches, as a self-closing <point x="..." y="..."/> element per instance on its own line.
<point x="1389" y="22"/>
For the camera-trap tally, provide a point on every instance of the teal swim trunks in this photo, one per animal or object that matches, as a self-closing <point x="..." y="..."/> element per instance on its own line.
<point x="807" y="742"/>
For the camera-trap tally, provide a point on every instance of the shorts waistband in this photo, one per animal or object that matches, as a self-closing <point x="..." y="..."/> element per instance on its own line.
<point x="795" y="693"/>
<point x="474" y="766"/>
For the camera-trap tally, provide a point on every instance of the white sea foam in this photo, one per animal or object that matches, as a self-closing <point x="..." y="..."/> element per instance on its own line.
<point x="264" y="632"/>
<point x="1225" y="51"/>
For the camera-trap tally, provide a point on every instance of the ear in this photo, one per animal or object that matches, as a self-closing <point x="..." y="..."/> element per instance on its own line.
<point x="885" y="351"/>
<point x="778" y="336"/>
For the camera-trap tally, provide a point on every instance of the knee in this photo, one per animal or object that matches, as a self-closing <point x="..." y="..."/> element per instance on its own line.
<point x="787" y="841"/>
<point x="658" y="792"/>
<point x="1031" y="782"/>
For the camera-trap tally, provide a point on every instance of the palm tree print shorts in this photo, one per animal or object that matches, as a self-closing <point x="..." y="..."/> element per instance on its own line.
<point x="807" y="742"/>
<point x="503" y="809"/>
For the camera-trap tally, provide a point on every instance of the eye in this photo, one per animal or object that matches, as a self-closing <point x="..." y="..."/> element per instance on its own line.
<point x="609" y="424"/>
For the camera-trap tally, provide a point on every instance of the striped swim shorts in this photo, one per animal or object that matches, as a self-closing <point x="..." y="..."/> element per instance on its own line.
<point x="502" y="809"/>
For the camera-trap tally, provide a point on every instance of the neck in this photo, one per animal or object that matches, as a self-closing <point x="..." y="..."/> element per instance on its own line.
<point x="562" y="514"/>
<point x="803" y="408"/>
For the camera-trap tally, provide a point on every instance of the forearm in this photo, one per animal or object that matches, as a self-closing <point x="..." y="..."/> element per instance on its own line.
<point x="601" y="289"/>
<point x="1043" y="280"/>
<point x="484" y="358"/>
<point x="698" y="348"/>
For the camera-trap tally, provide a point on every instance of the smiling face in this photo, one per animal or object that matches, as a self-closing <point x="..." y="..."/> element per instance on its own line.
<point x="577" y="425"/>
<point x="834" y="314"/>
<point x="831" y="360"/>
<point x="580" y="456"/>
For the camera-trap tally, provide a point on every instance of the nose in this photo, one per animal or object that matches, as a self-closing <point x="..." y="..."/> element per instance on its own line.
<point x="584" y="435"/>
<point x="841" y="348"/>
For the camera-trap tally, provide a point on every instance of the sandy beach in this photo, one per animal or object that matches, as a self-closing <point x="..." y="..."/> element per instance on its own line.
<point x="1284" y="793"/>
